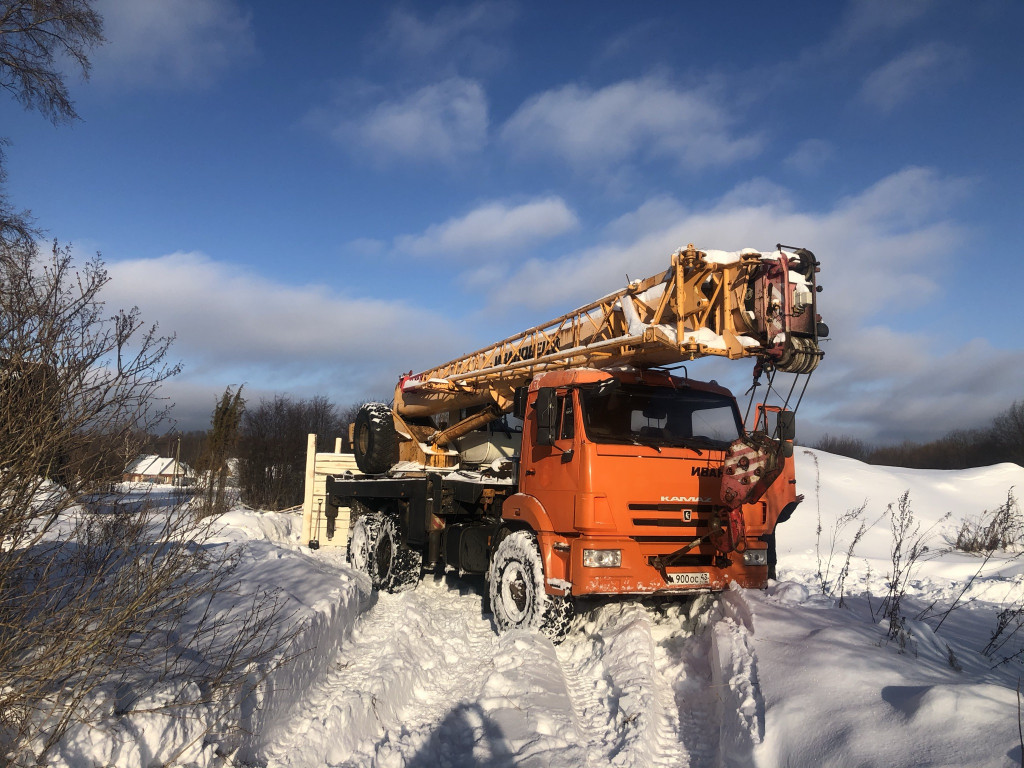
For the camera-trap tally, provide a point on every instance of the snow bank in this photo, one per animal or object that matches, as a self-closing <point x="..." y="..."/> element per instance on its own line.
<point x="324" y="598"/>
<point x="836" y="694"/>
<point x="321" y="599"/>
<point x="940" y="500"/>
<point x="747" y="678"/>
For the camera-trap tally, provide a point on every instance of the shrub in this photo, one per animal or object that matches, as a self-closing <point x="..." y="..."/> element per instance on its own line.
<point x="1001" y="528"/>
<point x="909" y="543"/>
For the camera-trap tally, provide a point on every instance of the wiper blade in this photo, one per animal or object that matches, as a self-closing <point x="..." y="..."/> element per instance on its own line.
<point x="699" y="440"/>
<point x="635" y="439"/>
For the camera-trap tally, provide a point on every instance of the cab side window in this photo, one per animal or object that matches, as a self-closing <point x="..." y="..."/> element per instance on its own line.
<point x="567" y="417"/>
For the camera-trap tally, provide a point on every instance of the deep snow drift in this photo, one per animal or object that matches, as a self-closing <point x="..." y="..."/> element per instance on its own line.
<point x="782" y="677"/>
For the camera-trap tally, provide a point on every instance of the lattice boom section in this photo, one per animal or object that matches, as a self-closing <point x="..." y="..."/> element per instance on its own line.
<point x="698" y="307"/>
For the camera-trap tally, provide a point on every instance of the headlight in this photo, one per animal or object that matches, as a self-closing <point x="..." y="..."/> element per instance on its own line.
<point x="602" y="558"/>
<point x="755" y="557"/>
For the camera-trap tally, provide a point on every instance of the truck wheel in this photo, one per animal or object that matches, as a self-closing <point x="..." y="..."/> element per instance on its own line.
<point x="518" y="598"/>
<point x="363" y="540"/>
<point x="393" y="566"/>
<point x="376" y="442"/>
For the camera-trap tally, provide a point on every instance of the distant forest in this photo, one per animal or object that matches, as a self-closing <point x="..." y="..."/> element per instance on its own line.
<point x="1001" y="441"/>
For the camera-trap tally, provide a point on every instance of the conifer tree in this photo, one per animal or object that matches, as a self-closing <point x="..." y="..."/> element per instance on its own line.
<point x="221" y="441"/>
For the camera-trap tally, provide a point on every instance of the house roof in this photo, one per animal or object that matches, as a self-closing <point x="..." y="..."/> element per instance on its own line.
<point x="155" y="465"/>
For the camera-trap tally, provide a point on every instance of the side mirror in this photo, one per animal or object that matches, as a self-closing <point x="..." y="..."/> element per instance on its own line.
<point x="546" y="406"/>
<point x="787" y="425"/>
<point x="519" y="402"/>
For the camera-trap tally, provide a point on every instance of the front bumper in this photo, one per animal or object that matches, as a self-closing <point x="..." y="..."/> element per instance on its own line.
<point x="637" y="576"/>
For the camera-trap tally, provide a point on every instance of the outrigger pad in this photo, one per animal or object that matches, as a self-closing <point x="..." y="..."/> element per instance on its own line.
<point x="752" y="463"/>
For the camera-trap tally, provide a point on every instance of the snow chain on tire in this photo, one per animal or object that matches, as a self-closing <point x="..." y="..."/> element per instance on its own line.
<point x="394" y="567"/>
<point x="363" y="539"/>
<point x="516" y="590"/>
<point x="376" y="549"/>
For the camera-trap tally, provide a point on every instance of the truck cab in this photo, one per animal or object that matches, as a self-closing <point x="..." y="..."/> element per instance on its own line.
<point x="620" y="470"/>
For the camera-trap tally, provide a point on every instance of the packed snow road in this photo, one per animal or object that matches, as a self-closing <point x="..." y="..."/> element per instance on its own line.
<point x="425" y="681"/>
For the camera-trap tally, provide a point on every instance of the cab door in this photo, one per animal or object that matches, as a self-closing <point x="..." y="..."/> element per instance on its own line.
<point x="552" y="476"/>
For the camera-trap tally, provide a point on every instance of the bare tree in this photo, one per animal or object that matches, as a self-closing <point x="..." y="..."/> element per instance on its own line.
<point x="73" y="378"/>
<point x="99" y="595"/>
<point x="16" y="227"/>
<point x="106" y="604"/>
<point x="843" y="445"/>
<point x="273" y="448"/>
<point x="36" y="38"/>
<point x="1008" y="432"/>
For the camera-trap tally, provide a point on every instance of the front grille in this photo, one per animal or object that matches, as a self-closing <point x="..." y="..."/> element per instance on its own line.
<point x="705" y="561"/>
<point x="661" y="522"/>
<point x="672" y="507"/>
<point x="656" y="539"/>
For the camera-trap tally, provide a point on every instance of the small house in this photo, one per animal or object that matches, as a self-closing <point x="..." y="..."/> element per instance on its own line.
<point x="156" y="469"/>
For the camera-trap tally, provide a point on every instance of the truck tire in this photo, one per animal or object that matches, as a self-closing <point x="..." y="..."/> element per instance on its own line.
<point x="517" y="594"/>
<point x="375" y="439"/>
<point x="363" y="538"/>
<point x="393" y="566"/>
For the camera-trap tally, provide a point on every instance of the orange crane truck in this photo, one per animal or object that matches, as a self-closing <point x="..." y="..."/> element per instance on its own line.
<point x="615" y="476"/>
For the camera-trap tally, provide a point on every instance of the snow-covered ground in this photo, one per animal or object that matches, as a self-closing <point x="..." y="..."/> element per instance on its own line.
<point x="781" y="677"/>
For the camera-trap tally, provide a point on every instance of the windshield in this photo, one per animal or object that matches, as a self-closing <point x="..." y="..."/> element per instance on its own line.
<point x="633" y="413"/>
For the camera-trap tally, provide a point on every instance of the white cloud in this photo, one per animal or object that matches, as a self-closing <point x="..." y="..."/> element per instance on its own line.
<point x="886" y="386"/>
<point x="234" y="326"/>
<point x="494" y="226"/>
<point x="866" y="20"/>
<point x="810" y="156"/>
<point x="634" y="120"/>
<point x="442" y="122"/>
<point x="921" y="71"/>
<point x="885" y="254"/>
<point x="467" y="34"/>
<point x="171" y="42"/>
<point x="656" y="213"/>
<point x="876" y="244"/>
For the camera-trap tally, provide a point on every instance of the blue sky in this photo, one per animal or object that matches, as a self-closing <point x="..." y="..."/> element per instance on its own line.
<point x="318" y="200"/>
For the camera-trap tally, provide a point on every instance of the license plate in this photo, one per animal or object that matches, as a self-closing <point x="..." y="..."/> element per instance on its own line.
<point x="700" y="579"/>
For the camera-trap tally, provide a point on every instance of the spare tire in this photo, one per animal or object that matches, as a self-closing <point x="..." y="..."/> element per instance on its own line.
<point x="375" y="440"/>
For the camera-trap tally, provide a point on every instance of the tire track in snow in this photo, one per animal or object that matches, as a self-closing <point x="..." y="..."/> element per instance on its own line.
<point x="713" y="672"/>
<point x="624" y="703"/>
<point x="412" y="659"/>
<point x="735" y="678"/>
<point x="667" y="684"/>
<point x="424" y="681"/>
<point x="686" y="660"/>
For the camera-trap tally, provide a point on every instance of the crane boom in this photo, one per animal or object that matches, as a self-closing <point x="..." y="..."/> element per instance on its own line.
<point x="731" y="304"/>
